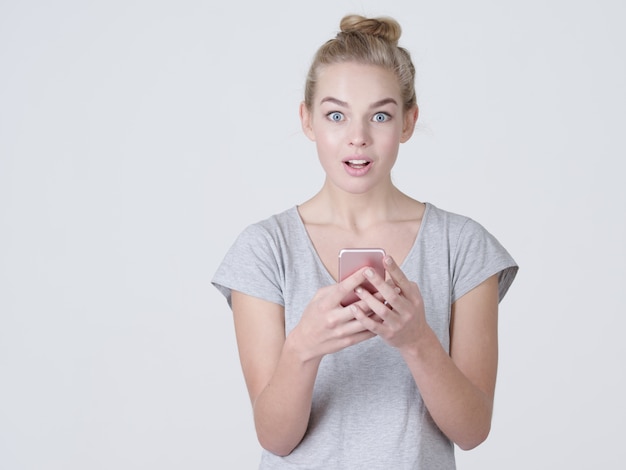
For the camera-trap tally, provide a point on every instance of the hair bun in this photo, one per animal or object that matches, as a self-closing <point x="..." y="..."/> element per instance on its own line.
<point x="382" y="27"/>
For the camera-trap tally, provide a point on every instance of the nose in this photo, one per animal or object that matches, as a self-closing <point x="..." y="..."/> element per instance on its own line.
<point x="359" y="135"/>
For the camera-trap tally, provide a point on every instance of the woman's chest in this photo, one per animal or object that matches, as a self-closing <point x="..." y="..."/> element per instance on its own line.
<point x="397" y="239"/>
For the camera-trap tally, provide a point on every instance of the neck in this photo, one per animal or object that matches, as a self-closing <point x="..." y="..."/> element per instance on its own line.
<point x="356" y="212"/>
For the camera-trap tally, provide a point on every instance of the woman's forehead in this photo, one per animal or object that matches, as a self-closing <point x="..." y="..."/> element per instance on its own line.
<point x="349" y="81"/>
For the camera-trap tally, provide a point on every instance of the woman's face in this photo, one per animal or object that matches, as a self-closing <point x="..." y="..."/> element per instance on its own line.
<point x="357" y="122"/>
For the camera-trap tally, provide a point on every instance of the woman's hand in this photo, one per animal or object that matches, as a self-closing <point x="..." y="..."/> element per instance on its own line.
<point x="326" y="326"/>
<point x="398" y="306"/>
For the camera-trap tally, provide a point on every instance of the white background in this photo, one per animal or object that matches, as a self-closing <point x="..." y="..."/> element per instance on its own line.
<point x="138" y="138"/>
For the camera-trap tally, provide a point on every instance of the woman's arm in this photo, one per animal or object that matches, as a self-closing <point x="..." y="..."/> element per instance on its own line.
<point x="458" y="388"/>
<point x="280" y="381"/>
<point x="280" y="371"/>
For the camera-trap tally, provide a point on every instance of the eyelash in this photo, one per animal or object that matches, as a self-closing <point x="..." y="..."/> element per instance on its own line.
<point x="387" y="116"/>
<point x="329" y="116"/>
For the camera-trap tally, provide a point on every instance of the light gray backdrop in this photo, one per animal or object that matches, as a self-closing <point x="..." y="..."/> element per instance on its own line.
<point x="137" y="138"/>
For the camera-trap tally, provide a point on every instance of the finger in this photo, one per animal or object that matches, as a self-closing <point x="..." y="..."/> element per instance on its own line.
<point x="391" y="283"/>
<point x="386" y="288"/>
<point x="346" y="313"/>
<point x="353" y="326"/>
<point x="378" y="296"/>
<point x="347" y="325"/>
<point x="372" y="323"/>
<point x="379" y="307"/>
<point x="346" y="287"/>
<point x="397" y="275"/>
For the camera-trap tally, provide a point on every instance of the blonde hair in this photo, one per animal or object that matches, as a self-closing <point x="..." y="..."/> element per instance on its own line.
<point x="369" y="41"/>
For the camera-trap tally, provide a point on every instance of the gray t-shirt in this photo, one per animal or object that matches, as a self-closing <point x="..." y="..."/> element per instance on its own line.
<point x="367" y="412"/>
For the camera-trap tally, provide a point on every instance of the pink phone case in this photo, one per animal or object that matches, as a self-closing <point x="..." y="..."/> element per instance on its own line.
<point x="352" y="259"/>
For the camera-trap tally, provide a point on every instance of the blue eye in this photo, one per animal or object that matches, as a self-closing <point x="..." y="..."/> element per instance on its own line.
<point x="335" y="116"/>
<point x="381" y="117"/>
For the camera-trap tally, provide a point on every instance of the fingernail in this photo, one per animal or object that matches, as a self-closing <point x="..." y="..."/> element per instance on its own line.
<point x="369" y="272"/>
<point x="388" y="260"/>
<point x="358" y="290"/>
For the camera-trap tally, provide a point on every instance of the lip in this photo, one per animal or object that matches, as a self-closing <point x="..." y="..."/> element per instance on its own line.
<point x="357" y="165"/>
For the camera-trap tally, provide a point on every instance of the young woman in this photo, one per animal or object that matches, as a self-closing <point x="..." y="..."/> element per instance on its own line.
<point x="397" y="378"/>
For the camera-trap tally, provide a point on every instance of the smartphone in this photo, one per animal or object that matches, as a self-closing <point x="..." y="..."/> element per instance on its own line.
<point x="353" y="259"/>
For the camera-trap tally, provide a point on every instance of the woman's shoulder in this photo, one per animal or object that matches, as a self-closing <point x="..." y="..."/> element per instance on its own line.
<point x="452" y="228"/>
<point x="441" y="218"/>
<point x="284" y="220"/>
<point x="274" y="229"/>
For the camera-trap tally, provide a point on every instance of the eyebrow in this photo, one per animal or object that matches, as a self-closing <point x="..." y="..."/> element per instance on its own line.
<point x="330" y="99"/>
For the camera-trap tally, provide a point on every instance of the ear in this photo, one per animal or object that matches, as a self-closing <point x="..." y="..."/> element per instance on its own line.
<point x="410" y="119"/>
<point x="306" y="121"/>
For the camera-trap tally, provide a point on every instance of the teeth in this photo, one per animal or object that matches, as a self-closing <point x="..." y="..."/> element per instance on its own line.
<point x="357" y="162"/>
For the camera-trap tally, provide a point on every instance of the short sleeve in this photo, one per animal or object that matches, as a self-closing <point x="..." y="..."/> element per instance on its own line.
<point x="477" y="256"/>
<point x="253" y="266"/>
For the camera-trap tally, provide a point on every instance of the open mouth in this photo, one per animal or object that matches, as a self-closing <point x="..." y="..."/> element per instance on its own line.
<point x="357" y="164"/>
